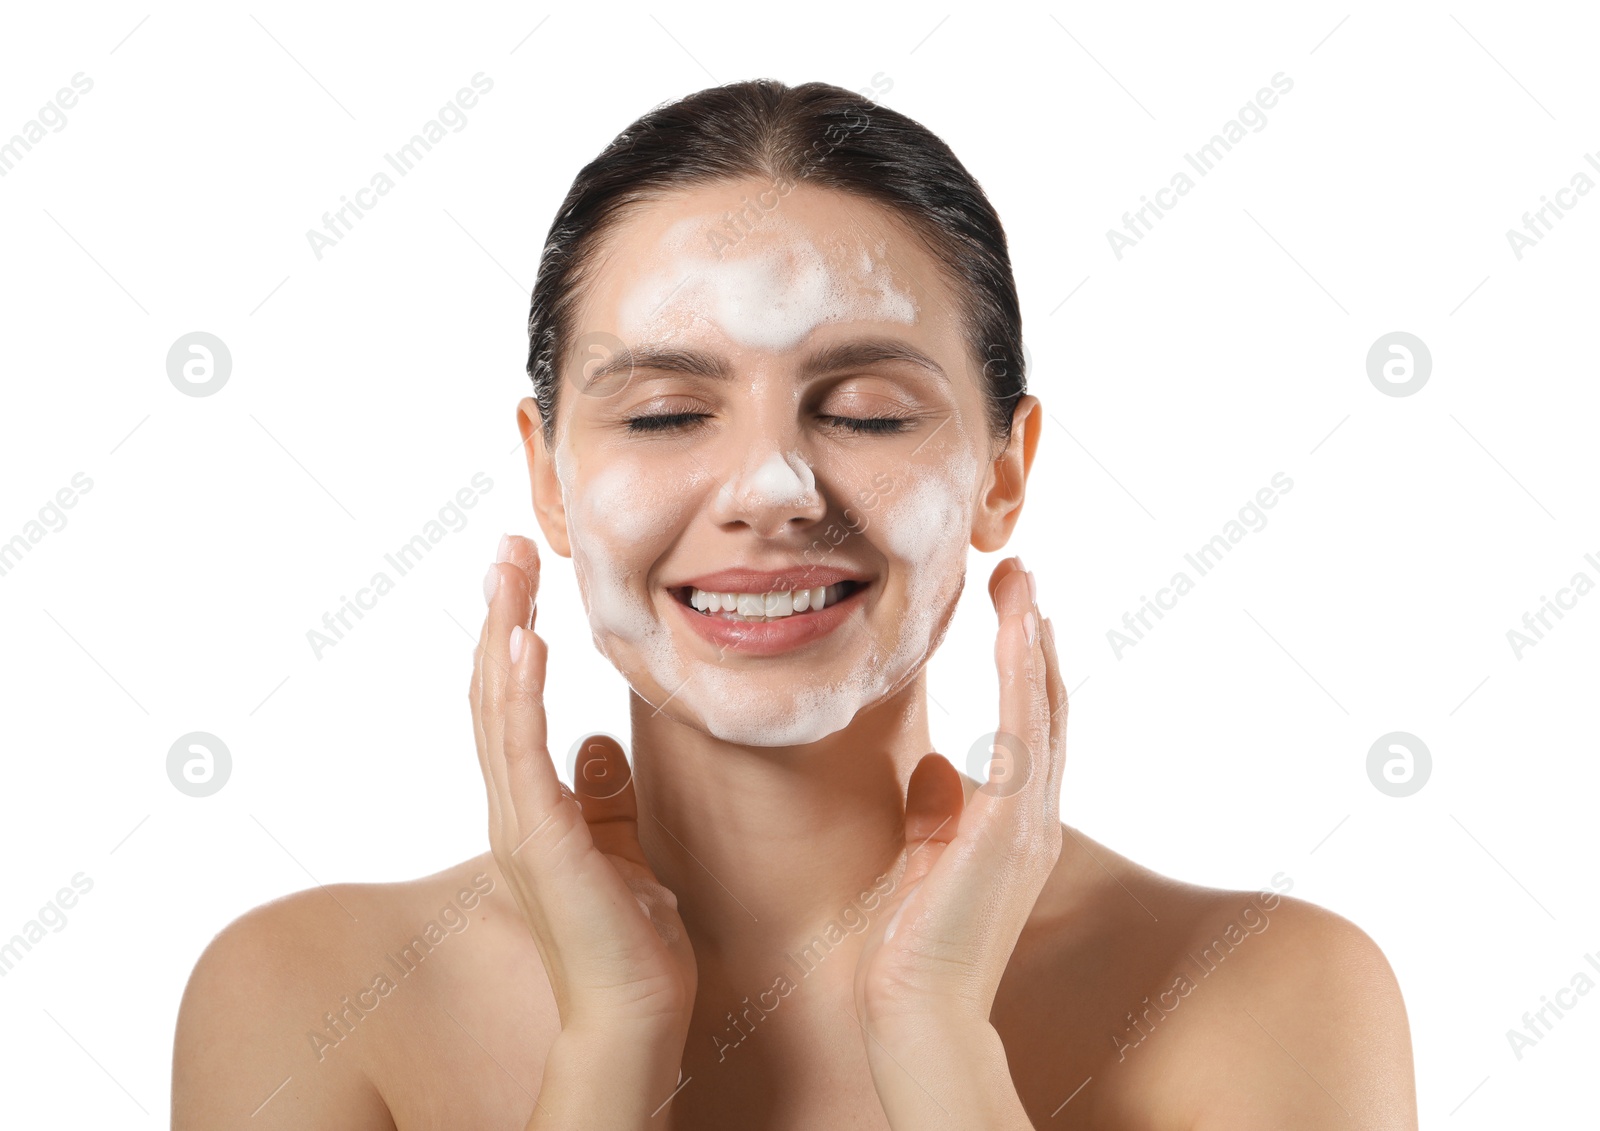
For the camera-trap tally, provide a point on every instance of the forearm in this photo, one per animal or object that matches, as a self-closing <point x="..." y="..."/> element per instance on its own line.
<point x="596" y="1082"/>
<point x="931" y="1076"/>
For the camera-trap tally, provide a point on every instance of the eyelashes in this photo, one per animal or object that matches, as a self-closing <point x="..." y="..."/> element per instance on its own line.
<point x="663" y="421"/>
<point x="882" y="425"/>
<point x="685" y="421"/>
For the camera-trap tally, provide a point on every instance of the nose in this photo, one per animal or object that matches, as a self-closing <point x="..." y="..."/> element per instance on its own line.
<point x="770" y="494"/>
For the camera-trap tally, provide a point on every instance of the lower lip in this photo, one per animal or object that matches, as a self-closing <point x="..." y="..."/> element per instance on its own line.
<point x="770" y="638"/>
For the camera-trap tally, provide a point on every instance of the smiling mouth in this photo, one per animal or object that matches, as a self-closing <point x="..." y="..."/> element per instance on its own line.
<point x="761" y="608"/>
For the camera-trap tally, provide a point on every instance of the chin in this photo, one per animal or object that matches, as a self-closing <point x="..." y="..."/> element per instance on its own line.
<point x="784" y="699"/>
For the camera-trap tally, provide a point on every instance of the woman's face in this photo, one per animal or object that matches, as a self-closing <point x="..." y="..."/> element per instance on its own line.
<point x="723" y="461"/>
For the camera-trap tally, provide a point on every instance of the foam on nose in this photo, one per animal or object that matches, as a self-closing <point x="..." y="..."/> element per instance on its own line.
<point x="782" y="478"/>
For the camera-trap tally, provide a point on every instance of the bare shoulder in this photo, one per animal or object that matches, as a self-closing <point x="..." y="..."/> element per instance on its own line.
<point x="1177" y="1005"/>
<point x="314" y="1009"/>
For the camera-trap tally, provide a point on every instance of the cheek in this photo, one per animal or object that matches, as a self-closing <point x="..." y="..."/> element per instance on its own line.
<point x="926" y="529"/>
<point x="627" y="504"/>
<point x="630" y="505"/>
<point x="926" y="523"/>
<point x="619" y="521"/>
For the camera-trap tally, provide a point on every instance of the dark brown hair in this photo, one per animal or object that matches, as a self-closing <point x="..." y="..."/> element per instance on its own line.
<point x="817" y="134"/>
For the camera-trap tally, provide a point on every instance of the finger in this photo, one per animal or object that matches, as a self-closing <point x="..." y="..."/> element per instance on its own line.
<point x="1004" y="815"/>
<point x="1002" y="571"/>
<point x="524" y="554"/>
<point x="490" y="766"/>
<point x="934" y="801"/>
<point x="505" y="588"/>
<point x="1055" y="692"/>
<point x="1056" y="688"/>
<point x="533" y="792"/>
<point x="603" y="781"/>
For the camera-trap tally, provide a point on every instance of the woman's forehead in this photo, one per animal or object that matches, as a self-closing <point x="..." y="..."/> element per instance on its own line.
<point x="763" y="265"/>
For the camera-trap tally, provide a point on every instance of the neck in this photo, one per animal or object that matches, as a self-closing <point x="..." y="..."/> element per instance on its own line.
<point x="765" y="846"/>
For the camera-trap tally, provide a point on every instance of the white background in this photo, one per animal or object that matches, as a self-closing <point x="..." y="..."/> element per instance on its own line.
<point x="368" y="387"/>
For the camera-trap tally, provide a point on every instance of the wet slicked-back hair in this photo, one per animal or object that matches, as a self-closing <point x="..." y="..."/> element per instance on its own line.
<point x="816" y="134"/>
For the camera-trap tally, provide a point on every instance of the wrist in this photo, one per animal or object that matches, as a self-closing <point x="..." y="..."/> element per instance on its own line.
<point x="616" y="1077"/>
<point x="629" y="1052"/>
<point x="941" y="1020"/>
<point x="943" y="1071"/>
<point x="928" y="1031"/>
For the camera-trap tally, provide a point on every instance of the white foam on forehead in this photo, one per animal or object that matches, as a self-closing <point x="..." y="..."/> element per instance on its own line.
<point x="768" y="292"/>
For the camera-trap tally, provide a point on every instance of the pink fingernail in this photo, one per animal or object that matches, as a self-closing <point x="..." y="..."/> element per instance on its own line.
<point x="491" y="585"/>
<point x="1029" y="627"/>
<point x="1033" y="588"/>
<point x="503" y="554"/>
<point x="516" y="642"/>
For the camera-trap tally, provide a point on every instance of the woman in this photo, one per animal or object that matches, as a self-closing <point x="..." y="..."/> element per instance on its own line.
<point x="776" y="353"/>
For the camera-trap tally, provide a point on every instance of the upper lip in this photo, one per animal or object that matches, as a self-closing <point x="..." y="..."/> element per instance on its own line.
<point x="744" y="580"/>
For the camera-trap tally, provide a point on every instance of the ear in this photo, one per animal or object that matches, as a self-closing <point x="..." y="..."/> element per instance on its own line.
<point x="1001" y="504"/>
<point x="547" y="505"/>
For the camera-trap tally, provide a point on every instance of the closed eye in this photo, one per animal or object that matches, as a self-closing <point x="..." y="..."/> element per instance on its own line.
<point x="875" y="424"/>
<point x="661" y="422"/>
<point x="878" y="425"/>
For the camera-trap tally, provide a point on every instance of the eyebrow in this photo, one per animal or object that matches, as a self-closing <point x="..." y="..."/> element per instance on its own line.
<point x="827" y="359"/>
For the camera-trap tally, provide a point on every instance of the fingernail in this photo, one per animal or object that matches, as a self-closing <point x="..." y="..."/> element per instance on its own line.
<point x="504" y="553"/>
<point x="1050" y="630"/>
<point x="1029" y="627"/>
<point x="516" y="642"/>
<point x="491" y="584"/>
<point x="1033" y="588"/>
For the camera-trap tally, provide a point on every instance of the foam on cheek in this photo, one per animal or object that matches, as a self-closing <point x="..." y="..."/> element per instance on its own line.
<point x="629" y="501"/>
<point x="614" y="521"/>
<point x="924" y="529"/>
<point x="911" y="525"/>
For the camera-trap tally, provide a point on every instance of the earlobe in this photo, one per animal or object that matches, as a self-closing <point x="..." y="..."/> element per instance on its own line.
<point x="548" y="506"/>
<point x="1001" y="505"/>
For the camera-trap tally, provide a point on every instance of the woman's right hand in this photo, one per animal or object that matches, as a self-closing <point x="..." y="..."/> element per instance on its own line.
<point x="614" y="947"/>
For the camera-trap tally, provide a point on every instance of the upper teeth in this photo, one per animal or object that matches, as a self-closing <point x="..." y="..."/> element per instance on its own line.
<point x="776" y="604"/>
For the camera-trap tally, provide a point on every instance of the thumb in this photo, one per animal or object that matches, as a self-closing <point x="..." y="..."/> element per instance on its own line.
<point x="934" y="801"/>
<point x="603" y="786"/>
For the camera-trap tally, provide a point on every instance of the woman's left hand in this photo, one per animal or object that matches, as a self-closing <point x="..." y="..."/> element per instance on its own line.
<point x="927" y="976"/>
